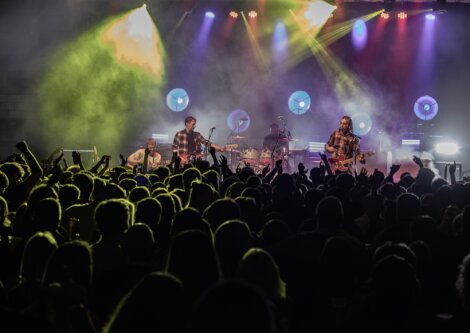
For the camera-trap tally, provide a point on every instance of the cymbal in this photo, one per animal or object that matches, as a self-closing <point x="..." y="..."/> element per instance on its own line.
<point x="238" y="137"/>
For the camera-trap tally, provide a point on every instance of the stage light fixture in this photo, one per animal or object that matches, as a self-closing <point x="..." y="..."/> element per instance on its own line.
<point x="446" y="148"/>
<point x="233" y="14"/>
<point x="402" y="15"/>
<point x="177" y="99"/>
<point x="252" y="13"/>
<point x="385" y="15"/>
<point x="299" y="102"/>
<point x="210" y="14"/>
<point x="430" y="17"/>
<point x="389" y="5"/>
<point x="238" y="121"/>
<point x="426" y="107"/>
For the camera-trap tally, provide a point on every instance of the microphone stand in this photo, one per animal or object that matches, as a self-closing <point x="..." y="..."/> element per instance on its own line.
<point x="356" y="146"/>
<point x="206" y="148"/>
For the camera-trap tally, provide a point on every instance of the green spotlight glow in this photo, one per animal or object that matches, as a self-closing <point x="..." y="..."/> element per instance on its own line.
<point x="97" y="89"/>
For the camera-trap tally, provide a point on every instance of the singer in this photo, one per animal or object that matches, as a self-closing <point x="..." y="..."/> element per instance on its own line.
<point x="188" y="142"/>
<point x="343" y="144"/>
<point x="149" y="153"/>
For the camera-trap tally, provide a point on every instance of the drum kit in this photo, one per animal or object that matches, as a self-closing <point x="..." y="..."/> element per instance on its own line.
<point x="257" y="158"/>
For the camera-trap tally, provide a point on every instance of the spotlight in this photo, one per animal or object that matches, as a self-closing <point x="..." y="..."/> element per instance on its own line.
<point x="233" y="14"/>
<point x="446" y="148"/>
<point x="430" y="17"/>
<point x="385" y="16"/>
<point x="210" y="14"/>
<point x="253" y="13"/>
<point x="402" y="15"/>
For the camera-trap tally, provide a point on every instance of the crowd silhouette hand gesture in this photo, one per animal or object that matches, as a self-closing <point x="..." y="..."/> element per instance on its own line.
<point x="362" y="177"/>
<point x="223" y="161"/>
<point x="265" y="170"/>
<point x="57" y="160"/>
<point x="452" y="168"/>
<point x="375" y="179"/>
<point x="394" y="168"/>
<point x="22" y="146"/>
<point x="76" y="157"/>
<point x="322" y="168"/>
<point x="418" y="161"/>
<point x="123" y="159"/>
<point x="301" y="168"/>
<point x="105" y="159"/>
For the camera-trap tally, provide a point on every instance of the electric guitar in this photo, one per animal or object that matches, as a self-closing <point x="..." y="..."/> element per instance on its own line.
<point x="191" y="158"/>
<point x="342" y="164"/>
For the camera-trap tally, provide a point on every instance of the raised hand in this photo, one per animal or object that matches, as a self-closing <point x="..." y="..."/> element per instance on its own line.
<point x="223" y="160"/>
<point x="322" y="168"/>
<point x="105" y="159"/>
<point x="452" y="168"/>
<point x="123" y="159"/>
<point x="57" y="160"/>
<point x="394" y="168"/>
<point x="22" y="146"/>
<point x="375" y="179"/>
<point x="76" y="157"/>
<point x="362" y="176"/>
<point x="265" y="170"/>
<point x="418" y="161"/>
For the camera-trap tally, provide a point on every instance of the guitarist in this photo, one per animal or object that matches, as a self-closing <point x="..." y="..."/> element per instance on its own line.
<point x="343" y="144"/>
<point x="188" y="143"/>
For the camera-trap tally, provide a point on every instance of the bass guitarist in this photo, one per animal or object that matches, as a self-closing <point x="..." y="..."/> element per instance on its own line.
<point x="188" y="143"/>
<point x="344" y="146"/>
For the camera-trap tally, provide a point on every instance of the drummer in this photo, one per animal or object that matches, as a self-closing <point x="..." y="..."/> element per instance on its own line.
<point x="275" y="144"/>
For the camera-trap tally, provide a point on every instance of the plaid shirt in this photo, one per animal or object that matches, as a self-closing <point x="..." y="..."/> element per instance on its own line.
<point x="345" y="145"/>
<point x="181" y="144"/>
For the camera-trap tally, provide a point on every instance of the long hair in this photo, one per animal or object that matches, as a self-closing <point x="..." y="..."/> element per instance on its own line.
<point x="349" y="119"/>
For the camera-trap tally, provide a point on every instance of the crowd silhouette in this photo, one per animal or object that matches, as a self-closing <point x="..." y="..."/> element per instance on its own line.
<point x="203" y="248"/>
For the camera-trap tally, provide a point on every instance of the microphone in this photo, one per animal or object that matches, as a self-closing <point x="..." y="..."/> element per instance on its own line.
<point x="212" y="128"/>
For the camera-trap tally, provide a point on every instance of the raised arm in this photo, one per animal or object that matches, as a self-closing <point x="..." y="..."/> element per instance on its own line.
<point x="36" y="170"/>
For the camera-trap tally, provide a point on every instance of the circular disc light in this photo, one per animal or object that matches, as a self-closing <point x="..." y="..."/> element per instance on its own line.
<point x="299" y="102"/>
<point x="426" y="108"/>
<point x="177" y="99"/>
<point x="238" y="121"/>
<point x="362" y="123"/>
